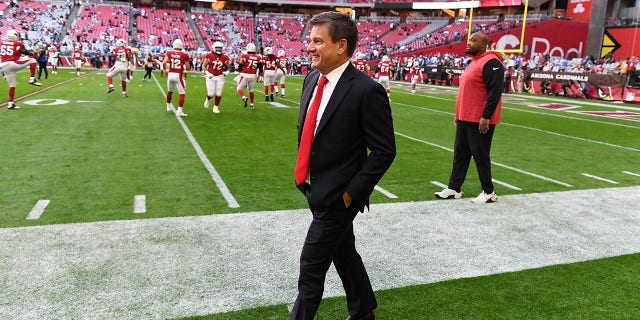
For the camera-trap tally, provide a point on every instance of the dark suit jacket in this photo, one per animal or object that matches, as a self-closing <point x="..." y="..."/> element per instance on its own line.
<point x="354" y="143"/>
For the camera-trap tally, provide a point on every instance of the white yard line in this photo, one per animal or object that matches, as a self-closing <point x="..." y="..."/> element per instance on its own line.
<point x="492" y="162"/>
<point x="439" y="184"/>
<point x="385" y="192"/>
<point x="189" y="266"/>
<point x="631" y="173"/>
<point x="139" y="204"/>
<point x="38" y="209"/>
<point x="600" y="178"/>
<point x="510" y="186"/>
<point x="224" y="190"/>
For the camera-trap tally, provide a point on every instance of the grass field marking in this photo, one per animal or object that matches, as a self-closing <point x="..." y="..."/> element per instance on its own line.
<point x="570" y="117"/>
<point x="280" y="105"/>
<point x="572" y="137"/>
<point x="492" y="162"/>
<point x="613" y="105"/>
<point x="38" y="209"/>
<point x="37" y="92"/>
<point x="140" y="203"/>
<point x="224" y="190"/>
<point x="600" y="178"/>
<point x="385" y="192"/>
<point x="439" y="184"/>
<point x="505" y="184"/>
<point x="631" y="173"/>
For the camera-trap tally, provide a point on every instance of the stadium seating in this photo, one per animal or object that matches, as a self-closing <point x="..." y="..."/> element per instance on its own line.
<point x="161" y="26"/>
<point x="282" y="31"/>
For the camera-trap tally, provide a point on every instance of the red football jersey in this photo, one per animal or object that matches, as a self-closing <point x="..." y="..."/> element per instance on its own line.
<point x="177" y="61"/>
<point x="249" y="62"/>
<point x="216" y="63"/>
<point x="10" y="50"/>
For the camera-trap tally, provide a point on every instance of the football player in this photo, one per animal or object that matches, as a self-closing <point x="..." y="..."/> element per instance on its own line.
<point x="361" y="64"/>
<point x="384" y="68"/>
<point x="11" y="61"/>
<point x="122" y="55"/>
<point x="216" y="67"/>
<point x="247" y="79"/>
<point x="54" y="57"/>
<point x="78" y="60"/>
<point x="281" y="71"/>
<point x="269" y="65"/>
<point x="176" y="62"/>
<point x="415" y="75"/>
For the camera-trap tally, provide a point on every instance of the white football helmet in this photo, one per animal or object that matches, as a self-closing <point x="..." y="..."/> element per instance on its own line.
<point x="121" y="43"/>
<point x="416" y="64"/>
<point x="217" y="47"/>
<point x="385" y="58"/>
<point x="251" y="47"/>
<point x="281" y="53"/>
<point x="177" y="44"/>
<point x="268" y="50"/>
<point x="359" y="55"/>
<point x="77" y="47"/>
<point x="12" y="35"/>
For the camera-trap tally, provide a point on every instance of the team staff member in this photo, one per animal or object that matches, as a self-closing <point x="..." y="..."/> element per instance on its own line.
<point x="338" y="167"/>
<point x="477" y="112"/>
<point x="11" y="61"/>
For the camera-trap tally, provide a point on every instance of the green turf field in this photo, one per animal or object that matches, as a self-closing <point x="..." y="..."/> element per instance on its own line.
<point x="82" y="155"/>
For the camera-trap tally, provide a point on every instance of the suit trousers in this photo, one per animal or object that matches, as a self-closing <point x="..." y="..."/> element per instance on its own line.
<point x="471" y="143"/>
<point x="330" y="239"/>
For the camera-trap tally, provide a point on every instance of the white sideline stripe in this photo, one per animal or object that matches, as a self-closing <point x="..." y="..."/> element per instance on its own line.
<point x="439" y="184"/>
<point x="493" y="162"/>
<point x="600" y="178"/>
<point x="505" y="184"/>
<point x="385" y="192"/>
<point x="224" y="190"/>
<point x="280" y="105"/>
<point x="92" y="101"/>
<point x="572" y="137"/>
<point x="38" y="209"/>
<point x="631" y="173"/>
<point x="140" y="204"/>
<point x="178" y="267"/>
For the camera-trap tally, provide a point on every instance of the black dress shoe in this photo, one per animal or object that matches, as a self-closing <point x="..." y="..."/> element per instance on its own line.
<point x="369" y="316"/>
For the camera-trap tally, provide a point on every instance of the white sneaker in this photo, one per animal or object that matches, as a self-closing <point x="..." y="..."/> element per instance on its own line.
<point x="215" y="109"/>
<point x="180" y="114"/>
<point x="206" y="103"/>
<point x="448" y="194"/>
<point x="484" y="198"/>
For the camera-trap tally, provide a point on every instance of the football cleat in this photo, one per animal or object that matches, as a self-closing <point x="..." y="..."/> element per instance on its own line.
<point x="110" y="90"/>
<point x="180" y="114"/>
<point x="35" y="83"/>
<point x="12" y="106"/>
<point x="124" y="95"/>
<point x="215" y="109"/>
<point x="169" y="107"/>
<point x="206" y="103"/>
<point x="448" y="194"/>
<point x="484" y="198"/>
<point x="252" y="106"/>
<point x="244" y="99"/>
<point x="266" y="98"/>
<point x="271" y="97"/>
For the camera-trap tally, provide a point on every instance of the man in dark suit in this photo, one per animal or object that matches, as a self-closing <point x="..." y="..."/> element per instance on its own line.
<point x="352" y="146"/>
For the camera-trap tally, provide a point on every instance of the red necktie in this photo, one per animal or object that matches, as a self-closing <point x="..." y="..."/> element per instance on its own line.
<point x="308" y="130"/>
